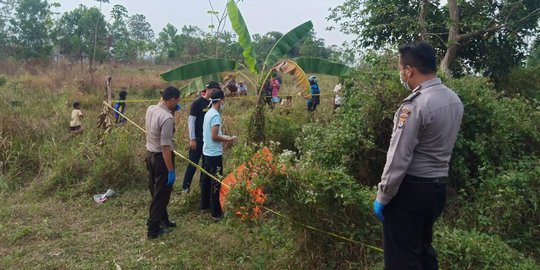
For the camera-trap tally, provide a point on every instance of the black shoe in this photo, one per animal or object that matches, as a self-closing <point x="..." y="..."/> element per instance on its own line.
<point x="156" y="233"/>
<point x="168" y="224"/>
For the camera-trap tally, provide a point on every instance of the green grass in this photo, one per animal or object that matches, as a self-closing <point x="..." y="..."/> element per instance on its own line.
<point x="80" y="234"/>
<point x="48" y="219"/>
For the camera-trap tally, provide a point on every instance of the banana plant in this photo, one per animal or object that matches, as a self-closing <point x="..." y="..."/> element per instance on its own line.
<point x="198" y="72"/>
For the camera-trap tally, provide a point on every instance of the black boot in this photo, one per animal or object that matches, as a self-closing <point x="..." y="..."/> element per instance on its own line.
<point x="168" y="224"/>
<point x="154" y="231"/>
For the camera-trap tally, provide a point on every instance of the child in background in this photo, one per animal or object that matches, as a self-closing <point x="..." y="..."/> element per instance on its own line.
<point x="75" y="125"/>
<point x="243" y="88"/>
<point x="120" y="106"/>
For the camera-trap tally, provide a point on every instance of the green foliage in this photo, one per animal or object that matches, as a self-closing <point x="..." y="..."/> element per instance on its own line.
<point x="329" y="200"/>
<point x="244" y="38"/>
<point x="312" y="46"/>
<point x="283" y="129"/>
<point x="140" y="34"/>
<point x="76" y="33"/>
<point x="489" y="137"/>
<point x="120" y="34"/>
<point x="505" y="204"/>
<point x="359" y="135"/>
<point x="322" y="66"/>
<point x="287" y="42"/>
<point x="31" y="26"/>
<point x="523" y="82"/>
<point x="483" y="47"/>
<point x="534" y="57"/>
<point x="198" y="69"/>
<point x="460" y="249"/>
<point x="264" y="43"/>
<point x="124" y="171"/>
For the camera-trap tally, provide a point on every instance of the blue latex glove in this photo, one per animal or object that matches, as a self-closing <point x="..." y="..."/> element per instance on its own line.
<point x="378" y="210"/>
<point x="177" y="107"/>
<point x="171" y="178"/>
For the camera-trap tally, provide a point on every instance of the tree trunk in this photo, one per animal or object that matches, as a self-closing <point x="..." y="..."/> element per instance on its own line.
<point x="422" y="20"/>
<point x="453" y="39"/>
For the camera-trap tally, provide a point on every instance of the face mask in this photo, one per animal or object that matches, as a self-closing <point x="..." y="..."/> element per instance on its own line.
<point x="222" y="106"/>
<point x="403" y="82"/>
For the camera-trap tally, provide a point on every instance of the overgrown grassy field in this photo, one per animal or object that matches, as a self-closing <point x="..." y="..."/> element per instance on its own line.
<point x="48" y="219"/>
<point x="329" y="164"/>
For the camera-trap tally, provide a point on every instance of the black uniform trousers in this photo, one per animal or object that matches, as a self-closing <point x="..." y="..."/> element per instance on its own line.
<point x="160" y="192"/>
<point x="194" y="156"/>
<point x="210" y="188"/>
<point x="408" y="224"/>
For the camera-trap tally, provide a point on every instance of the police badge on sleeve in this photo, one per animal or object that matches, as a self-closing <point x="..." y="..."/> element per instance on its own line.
<point x="403" y="116"/>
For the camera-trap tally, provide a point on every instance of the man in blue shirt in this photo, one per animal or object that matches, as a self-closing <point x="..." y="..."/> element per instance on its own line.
<point x="315" y="94"/>
<point x="213" y="153"/>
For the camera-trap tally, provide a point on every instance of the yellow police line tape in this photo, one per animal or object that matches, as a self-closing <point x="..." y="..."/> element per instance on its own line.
<point x="191" y="99"/>
<point x="264" y="207"/>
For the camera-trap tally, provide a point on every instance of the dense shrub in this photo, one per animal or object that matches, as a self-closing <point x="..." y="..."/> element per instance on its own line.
<point x="359" y="135"/>
<point x="464" y="250"/>
<point x="118" y="165"/>
<point x="329" y="200"/>
<point x="505" y="204"/>
<point x="490" y="135"/>
<point x="522" y="82"/>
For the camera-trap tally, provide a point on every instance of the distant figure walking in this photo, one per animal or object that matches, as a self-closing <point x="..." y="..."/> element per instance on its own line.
<point x="120" y="106"/>
<point x="315" y="94"/>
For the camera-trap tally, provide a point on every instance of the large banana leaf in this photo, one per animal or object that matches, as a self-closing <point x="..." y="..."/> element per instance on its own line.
<point x="198" y="69"/>
<point x="322" y="66"/>
<point x="287" y="42"/>
<point x="192" y="87"/>
<point x="199" y="84"/>
<point x="244" y="38"/>
<point x="291" y="68"/>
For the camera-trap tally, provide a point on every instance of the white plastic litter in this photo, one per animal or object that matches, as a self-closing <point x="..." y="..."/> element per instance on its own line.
<point x="101" y="198"/>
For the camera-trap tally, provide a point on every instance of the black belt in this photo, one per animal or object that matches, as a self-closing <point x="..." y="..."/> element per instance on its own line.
<point x="424" y="180"/>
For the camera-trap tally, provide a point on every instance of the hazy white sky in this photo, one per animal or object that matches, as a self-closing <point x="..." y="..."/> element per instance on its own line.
<point x="261" y="16"/>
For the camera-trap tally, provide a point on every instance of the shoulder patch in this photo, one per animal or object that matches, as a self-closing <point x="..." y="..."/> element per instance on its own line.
<point x="412" y="96"/>
<point x="403" y="116"/>
<point x="205" y="109"/>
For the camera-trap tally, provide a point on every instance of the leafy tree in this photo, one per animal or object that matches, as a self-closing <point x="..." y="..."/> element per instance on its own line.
<point x="76" y="31"/>
<point x="168" y="43"/>
<point x="263" y="44"/>
<point x="30" y="27"/>
<point x="534" y="57"/>
<point x="119" y="33"/>
<point x="6" y="8"/>
<point x="314" y="47"/>
<point x="475" y="33"/>
<point x="141" y="34"/>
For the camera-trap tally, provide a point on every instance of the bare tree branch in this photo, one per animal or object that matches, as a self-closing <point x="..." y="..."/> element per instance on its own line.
<point x="487" y="29"/>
